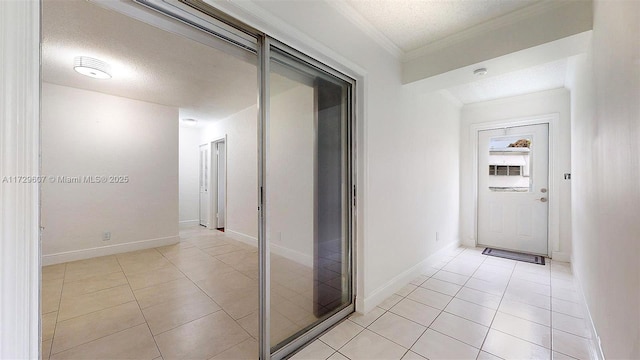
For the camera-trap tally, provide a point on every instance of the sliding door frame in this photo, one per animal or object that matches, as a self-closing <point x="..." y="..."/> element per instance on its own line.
<point x="199" y="14"/>
<point x="350" y="197"/>
<point x="264" y="261"/>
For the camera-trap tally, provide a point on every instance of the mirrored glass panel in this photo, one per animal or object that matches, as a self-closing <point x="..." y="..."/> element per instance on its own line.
<point x="307" y="181"/>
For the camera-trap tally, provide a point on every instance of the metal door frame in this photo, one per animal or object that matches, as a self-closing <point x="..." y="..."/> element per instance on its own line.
<point x="211" y="20"/>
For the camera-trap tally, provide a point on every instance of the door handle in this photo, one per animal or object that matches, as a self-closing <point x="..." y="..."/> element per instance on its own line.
<point x="543" y="199"/>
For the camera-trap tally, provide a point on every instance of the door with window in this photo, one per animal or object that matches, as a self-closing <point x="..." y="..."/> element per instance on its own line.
<point x="513" y="196"/>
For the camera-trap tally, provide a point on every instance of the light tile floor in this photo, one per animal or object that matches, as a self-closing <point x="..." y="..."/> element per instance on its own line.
<point x="191" y="300"/>
<point x="468" y="306"/>
<point x="194" y="300"/>
<point x="198" y="300"/>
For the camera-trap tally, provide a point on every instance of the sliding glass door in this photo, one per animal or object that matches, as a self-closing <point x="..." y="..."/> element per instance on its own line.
<point x="307" y="182"/>
<point x="305" y="177"/>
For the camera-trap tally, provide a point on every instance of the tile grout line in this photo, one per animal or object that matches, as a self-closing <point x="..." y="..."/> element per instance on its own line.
<point x="453" y="297"/>
<point x="92" y="312"/>
<point x="489" y="327"/>
<point x="428" y="326"/>
<point x="497" y="309"/>
<point x="55" y="327"/>
<point x="139" y="308"/>
<point x="517" y="337"/>
<point x="205" y="293"/>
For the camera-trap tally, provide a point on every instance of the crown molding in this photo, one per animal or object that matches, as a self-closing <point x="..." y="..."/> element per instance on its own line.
<point x="485" y="27"/>
<point x="363" y="24"/>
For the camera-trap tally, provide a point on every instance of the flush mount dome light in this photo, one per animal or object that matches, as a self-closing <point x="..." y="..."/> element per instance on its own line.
<point x="91" y="67"/>
<point x="480" y="72"/>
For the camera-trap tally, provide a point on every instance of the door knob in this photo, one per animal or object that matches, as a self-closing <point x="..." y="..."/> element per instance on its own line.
<point x="543" y="199"/>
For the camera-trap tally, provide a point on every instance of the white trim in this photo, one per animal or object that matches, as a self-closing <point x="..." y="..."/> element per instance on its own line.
<point x="19" y="149"/>
<point x="107" y="250"/>
<point x="561" y="256"/>
<point x="208" y="185"/>
<point x="392" y="286"/>
<point x="553" y="220"/>
<point x="596" y="345"/>
<point x="213" y="182"/>
<point x="363" y="24"/>
<point x="189" y="222"/>
<point x="293" y="255"/>
<point x="247" y="239"/>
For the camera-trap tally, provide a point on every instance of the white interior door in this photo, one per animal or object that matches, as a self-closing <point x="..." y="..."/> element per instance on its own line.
<point x="221" y="183"/>
<point x="204" y="184"/>
<point x="513" y="197"/>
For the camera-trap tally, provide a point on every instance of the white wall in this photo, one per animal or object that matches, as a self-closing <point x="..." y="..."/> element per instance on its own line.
<point x="401" y="202"/>
<point x="242" y="170"/>
<point x="89" y="133"/>
<point x="605" y="124"/>
<point x="518" y="107"/>
<point x="413" y="189"/>
<point x="290" y="173"/>
<point x="189" y="171"/>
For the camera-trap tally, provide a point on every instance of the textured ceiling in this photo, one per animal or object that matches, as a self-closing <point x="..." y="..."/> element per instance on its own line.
<point x="412" y="24"/>
<point x="538" y="78"/>
<point x="148" y="64"/>
<point x="213" y="82"/>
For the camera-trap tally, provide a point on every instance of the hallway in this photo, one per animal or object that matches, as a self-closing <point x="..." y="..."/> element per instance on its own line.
<point x="468" y="306"/>
<point x="146" y="304"/>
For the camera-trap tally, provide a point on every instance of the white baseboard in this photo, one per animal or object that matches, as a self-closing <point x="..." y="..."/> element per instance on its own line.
<point x="293" y="255"/>
<point x="247" y="239"/>
<point x="392" y="286"/>
<point x="83" y="254"/>
<point x="561" y="256"/>
<point x="189" y="222"/>
<point x="596" y="345"/>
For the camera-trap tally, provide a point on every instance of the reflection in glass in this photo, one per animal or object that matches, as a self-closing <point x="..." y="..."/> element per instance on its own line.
<point x="509" y="164"/>
<point x="307" y="197"/>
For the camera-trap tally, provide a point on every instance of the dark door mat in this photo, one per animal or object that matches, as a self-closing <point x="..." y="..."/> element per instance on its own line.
<point x="534" y="259"/>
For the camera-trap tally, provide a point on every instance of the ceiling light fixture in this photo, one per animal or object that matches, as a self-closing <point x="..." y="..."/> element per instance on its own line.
<point x="91" y="67"/>
<point x="480" y="72"/>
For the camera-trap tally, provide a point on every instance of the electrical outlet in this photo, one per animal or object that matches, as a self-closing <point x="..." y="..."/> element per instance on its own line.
<point x="106" y="236"/>
<point x="437" y="236"/>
